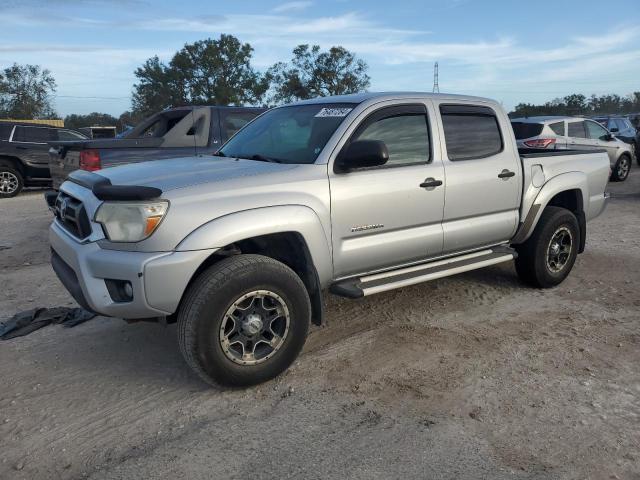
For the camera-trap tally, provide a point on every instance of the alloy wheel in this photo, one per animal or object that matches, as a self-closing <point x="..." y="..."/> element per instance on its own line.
<point x="254" y="327"/>
<point x="559" y="250"/>
<point x="8" y="183"/>
<point x="623" y="168"/>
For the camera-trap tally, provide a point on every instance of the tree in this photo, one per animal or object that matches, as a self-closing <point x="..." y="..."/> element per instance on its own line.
<point x="94" y="119"/>
<point x="157" y="88"/>
<point x="205" y="72"/>
<point x="313" y="73"/>
<point x="578" y="104"/>
<point x="26" y="92"/>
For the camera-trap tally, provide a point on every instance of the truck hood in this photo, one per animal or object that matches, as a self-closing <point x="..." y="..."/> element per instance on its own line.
<point x="183" y="172"/>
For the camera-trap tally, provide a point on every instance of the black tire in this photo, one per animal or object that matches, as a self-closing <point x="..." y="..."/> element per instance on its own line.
<point x="532" y="263"/>
<point x="621" y="169"/>
<point x="214" y="292"/>
<point x="11" y="180"/>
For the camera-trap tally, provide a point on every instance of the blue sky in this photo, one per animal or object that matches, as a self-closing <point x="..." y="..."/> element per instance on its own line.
<point x="513" y="51"/>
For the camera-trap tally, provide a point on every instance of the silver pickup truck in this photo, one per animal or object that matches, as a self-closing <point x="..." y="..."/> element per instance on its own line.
<point x="355" y="194"/>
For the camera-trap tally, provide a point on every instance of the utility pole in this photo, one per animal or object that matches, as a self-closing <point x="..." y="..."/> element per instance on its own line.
<point x="436" y="87"/>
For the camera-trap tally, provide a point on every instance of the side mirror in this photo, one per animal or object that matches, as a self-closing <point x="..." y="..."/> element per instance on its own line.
<point x="614" y="130"/>
<point x="608" y="137"/>
<point x="362" y="154"/>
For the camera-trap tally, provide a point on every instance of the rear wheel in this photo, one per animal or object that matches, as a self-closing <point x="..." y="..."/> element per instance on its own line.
<point x="547" y="257"/>
<point x="621" y="169"/>
<point x="244" y="320"/>
<point x="11" y="181"/>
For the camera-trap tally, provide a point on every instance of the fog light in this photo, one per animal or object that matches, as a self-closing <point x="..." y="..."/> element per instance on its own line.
<point x="119" y="290"/>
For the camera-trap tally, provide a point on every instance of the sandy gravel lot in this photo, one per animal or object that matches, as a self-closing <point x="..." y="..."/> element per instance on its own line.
<point x="470" y="377"/>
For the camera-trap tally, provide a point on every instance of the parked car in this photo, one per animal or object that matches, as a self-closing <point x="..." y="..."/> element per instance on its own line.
<point x="358" y="194"/>
<point x="621" y="127"/>
<point x="177" y="132"/>
<point x="576" y="134"/>
<point x="625" y="128"/>
<point x="24" y="154"/>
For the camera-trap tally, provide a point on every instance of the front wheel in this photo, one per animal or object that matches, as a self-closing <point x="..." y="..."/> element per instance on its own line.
<point x="621" y="169"/>
<point x="547" y="257"/>
<point x="244" y="320"/>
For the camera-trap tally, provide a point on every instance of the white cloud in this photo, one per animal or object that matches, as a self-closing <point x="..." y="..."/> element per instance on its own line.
<point x="293" y="6"/>
<point x="399" y="58"/>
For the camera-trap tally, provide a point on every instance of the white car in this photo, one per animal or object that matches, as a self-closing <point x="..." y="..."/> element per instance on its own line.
<point x="574" y="133"/>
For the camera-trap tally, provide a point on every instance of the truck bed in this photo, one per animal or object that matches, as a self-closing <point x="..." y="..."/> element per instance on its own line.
<point x="590" y="167"/>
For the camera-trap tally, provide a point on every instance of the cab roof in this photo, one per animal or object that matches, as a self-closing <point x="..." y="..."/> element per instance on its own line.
<point x="358" y="98"/>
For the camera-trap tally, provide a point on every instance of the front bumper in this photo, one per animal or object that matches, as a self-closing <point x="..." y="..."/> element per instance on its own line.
<point x="158" y="279"/>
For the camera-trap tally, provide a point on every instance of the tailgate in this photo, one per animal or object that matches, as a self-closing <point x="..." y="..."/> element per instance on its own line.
<point x="64" y="158"/>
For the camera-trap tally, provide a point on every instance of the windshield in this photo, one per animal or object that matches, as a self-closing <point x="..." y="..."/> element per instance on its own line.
<point x="295" y="134"/>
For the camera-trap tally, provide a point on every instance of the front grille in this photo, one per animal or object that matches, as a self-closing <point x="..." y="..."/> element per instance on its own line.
<point x="72" y="215"/>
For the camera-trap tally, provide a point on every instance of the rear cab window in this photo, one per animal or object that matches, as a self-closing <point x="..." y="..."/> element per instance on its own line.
<point x="471" y="132"/>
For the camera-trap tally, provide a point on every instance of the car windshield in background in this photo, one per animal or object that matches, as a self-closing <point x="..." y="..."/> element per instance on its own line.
<point x="526" y="130"/>
<point x="295" y="134"/>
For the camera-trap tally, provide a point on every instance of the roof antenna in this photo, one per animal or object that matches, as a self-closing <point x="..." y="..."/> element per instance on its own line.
<point x="436" y="87"/>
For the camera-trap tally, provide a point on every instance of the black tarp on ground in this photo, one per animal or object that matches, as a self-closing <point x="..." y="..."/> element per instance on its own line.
<point x="23" y="323"/>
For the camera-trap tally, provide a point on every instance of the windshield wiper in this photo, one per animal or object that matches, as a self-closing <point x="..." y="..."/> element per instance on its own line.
<point x="262" y="158"/>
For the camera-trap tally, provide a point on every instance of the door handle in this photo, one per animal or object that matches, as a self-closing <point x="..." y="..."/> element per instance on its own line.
<point x="506" y="174"/>
<point x="20" y="148"/>
<point x="431" y="183"/>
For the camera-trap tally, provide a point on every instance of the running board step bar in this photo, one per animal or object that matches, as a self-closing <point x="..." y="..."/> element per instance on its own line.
<point x="403" y="277"/>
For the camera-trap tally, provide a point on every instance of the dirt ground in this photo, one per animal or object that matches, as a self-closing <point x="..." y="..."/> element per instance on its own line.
<point x="474" y="376"/>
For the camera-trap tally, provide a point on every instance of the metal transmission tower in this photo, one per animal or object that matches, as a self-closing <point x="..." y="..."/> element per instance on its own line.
<point x="436" y="87"/>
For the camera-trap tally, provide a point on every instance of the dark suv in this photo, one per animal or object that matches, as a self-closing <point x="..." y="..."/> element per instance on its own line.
<point x="24" y="154"/>
<point x="622" y="128"/>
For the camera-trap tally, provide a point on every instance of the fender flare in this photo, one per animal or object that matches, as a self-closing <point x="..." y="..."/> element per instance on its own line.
<point x="558" y="184"/>
<point x="225" y="230"/>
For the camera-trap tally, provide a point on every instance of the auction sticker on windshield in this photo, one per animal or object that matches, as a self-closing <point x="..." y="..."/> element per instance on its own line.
<point x="333" y="112"/>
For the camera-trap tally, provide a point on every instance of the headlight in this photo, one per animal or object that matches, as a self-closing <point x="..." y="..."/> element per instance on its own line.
<point x="130" y="222"/>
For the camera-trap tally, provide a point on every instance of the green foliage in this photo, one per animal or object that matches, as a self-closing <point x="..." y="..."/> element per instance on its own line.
<point x="577" y="104"/>
<point x="26" y="92"/>
<point x="94" y="119"/>
<point x="207" y="72"/>
<point x="313" y="73"/>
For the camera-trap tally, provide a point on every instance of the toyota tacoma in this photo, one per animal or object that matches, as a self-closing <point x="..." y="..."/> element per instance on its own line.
<point x="355" y="195"/>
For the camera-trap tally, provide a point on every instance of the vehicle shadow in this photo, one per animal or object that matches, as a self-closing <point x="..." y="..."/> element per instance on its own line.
<point x="126" y="355"/>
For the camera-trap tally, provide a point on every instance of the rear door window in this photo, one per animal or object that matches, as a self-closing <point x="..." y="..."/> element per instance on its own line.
<point x="524" y="130"/>
<point x="557" y="128"/>
<point x="26" y="134"/>
<point x="577" y="130"/>
<point x="470" y="132"/>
